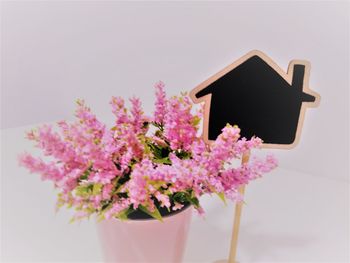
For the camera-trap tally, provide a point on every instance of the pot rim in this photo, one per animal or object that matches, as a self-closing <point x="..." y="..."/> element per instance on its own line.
<point x="152" y="219"/>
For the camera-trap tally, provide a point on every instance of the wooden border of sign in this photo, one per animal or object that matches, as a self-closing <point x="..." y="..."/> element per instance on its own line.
<point x="287" y="76"/>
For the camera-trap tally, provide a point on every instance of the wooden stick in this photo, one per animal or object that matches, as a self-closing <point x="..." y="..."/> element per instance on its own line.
<point x="237" y="219"/>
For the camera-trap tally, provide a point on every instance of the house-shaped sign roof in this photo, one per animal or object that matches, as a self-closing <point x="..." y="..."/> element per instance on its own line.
<point x="258" y="96"/>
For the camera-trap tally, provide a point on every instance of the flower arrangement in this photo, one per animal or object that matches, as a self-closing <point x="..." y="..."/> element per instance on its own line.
<point x="147" y="164"/>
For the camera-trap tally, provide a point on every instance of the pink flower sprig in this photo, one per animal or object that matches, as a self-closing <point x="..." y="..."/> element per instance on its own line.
<point x="180" y="125"/>
<point x="112" y="172"/>
<point x="160" y="104"/>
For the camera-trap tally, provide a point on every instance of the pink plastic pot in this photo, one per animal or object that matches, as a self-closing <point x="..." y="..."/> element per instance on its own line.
<point x="146" y="240"/>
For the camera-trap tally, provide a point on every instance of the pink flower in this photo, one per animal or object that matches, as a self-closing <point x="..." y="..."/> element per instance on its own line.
<point x="80" y="215"/>
<point x="119" y="110"/>
<point x="107" y="190"/>
<point x="117" y="207"/>
<point x="70" y="180"/>
<point x="137" y="115"/>
<point x="89" y="120"/>
<point x="159" y="141"/>
<point x="48" y="171"/>
<point x="104" y="177"/>
<point x="177" y="206"/>
<point x="137" y="185"/>
<point x="163" y="199"/>
<point x="200" y="212"/>
<point x="52" y="145"/>
<point x="178" y="124"/>
<point x="161" y="103"/>
<point x="110" y="170"/>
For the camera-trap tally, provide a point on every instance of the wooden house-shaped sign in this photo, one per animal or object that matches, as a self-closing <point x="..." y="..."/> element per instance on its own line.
<point x="258" y="96"/>
<point x="255" y="94"/>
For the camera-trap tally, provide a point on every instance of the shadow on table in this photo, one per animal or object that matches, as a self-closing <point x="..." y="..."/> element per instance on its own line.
<point x="210" y="243"/>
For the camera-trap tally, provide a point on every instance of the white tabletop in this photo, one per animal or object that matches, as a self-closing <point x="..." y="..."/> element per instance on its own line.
<point x="288" y="216"/>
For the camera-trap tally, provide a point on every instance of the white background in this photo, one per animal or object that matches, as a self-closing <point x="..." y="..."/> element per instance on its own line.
<point x="55" y="52"/>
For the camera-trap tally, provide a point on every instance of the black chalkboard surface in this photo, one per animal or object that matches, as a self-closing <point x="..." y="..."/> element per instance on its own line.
<point x="259" y="97"/>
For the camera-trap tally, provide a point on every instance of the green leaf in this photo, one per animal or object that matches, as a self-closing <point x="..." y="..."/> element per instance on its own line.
<point x="100" y="218"/>
<point x="196" y="120"/>
<point x="159" y="152"/>
<point x="155" y="214"/>
<point x="193" y="194"/>
<point x="181" y="197"/>
<point x="222" y="197"/>
<point x="85" y="175"/>
<point x="96" y="189"/>
<point x="194" y="201"/>
<point x="164" y="160"/>
<point x="183" y="155"/>
<point x="156" y="151"/>
<point x="82" y="190"/>
<point x="158" y="125"/>
<point x="123" y="215"/>
<point x="105" y="204"/>
<point x="158" y="133"/>
<point x="185" y="197"/>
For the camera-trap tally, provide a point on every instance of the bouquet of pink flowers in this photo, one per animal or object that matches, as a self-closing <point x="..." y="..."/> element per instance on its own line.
<point x="150" y="165"/>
